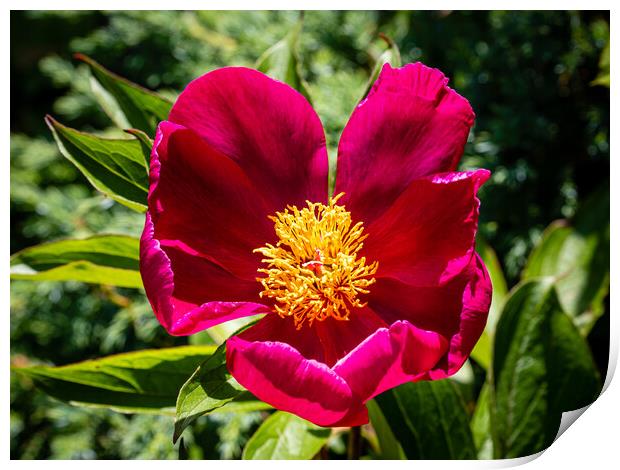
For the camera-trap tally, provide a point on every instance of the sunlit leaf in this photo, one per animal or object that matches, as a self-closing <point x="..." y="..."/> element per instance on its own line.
<point x="541" y="367"/>
<point x="481" y="424"/>
<point x="116" y="167"/>
<point x="138" y="382"/>
<point x="429" y="420"/>
<point x="390" y="56"/>
<point x="281" y="61"/>
<point x="604" y="77"/>
<point x="101" y="259"/>
<point x="576" y="255"/>
<point x="127" y="104"/>
<point x="482" y="352"/>
<point x="390" y="447"/>
<point x="284" y="436"/>
<point x="210" y="387"/>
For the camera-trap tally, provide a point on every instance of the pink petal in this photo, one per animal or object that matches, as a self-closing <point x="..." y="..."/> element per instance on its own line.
<point x="265" y="126"/>
<point x="411" y="125"/>
<point x="427" y="236"/>
<point x="457" y="310"/>
<point x="390" y="357"/>
<point x="325" y="341"/>
<point x="202" y="201"/>
<point x="279" y="375"/>
<point x="189" y="293"/>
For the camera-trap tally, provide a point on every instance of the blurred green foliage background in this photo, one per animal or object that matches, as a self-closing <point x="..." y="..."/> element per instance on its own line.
<point x="542" y="128"/>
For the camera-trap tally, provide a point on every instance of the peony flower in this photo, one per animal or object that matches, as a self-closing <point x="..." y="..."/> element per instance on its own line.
<point x="363" y="291"/>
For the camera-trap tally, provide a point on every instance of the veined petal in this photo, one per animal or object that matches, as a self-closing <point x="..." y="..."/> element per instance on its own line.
<point x="427" y="236"/>
<point x="456" y="310"/>
<point x="202" y="201"/>
<point x="189" y="293"/>
<point x="279" y="375"/>
<point x="390" y="357"/>
<point x="411" y="125"/>
<point x="266" y="127"/>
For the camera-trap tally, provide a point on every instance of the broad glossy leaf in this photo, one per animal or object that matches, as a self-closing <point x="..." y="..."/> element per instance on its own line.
<point x="101" y="259"/>
<point x="281" y="61"/>
<point x="577" y="256"/>
<point x="390" y="447"/>
<point x="116" y="167"/>
<point x="127" y="104"/>
<point x="284" y="436"/>
<point x="390" y="56"/>
<point x="138" y="382"/>
<point x="541" y="367"/>
<point x="429" y="419"/>
<point x="210" y="387"/>
<point x="482" y="352"/>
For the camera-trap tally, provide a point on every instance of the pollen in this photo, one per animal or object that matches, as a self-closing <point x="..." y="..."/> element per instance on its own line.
<point x="315" y="270"/>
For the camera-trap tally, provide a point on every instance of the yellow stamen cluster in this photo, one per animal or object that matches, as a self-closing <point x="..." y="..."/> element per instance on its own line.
<point x="313" y="272"/>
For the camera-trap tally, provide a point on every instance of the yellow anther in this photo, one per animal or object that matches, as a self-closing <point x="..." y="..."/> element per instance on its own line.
<point x="314" y="272"/>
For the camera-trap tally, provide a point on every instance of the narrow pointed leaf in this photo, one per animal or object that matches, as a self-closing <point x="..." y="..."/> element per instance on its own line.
<point x="281" y="61"/>
<point x="116" y="167"/>
<point x="138" y="107"/>
<point x="284" y="436"/>
<point x="139" y="382"/>
<point x="541" y="367"/>
<point x="429" y="419"/>
<point x="101" y="259"/>
<point x="209" y="387"/>
<point x="481" y="424"/>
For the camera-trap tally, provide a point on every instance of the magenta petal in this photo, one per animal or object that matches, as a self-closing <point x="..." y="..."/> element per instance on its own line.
<point x="427" y="236"/>
<point x="457" y="310"/>
<point x="266" y="127"/>
<point x="411" y="125"/>
<point x="279" y="375"/>
<point x="202" y="201"/>
<point x="189" y="293"/>
<point x="391" y="357"/>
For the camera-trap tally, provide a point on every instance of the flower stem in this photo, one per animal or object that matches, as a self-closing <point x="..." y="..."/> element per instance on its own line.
<point x="355" y="443"/>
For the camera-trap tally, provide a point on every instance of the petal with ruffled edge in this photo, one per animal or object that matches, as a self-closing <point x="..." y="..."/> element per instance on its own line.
<point x="203" y="202"/>
<point x="266" y="127"/>
<point x="457" y="311"/>
<point x="390" y="357"/>
<point x="189" y="293"/>
<point x="279" y="375"/>
<point x="411" y="125"/>
<point x="325" y="341"/>
<point x="427" y="236"/>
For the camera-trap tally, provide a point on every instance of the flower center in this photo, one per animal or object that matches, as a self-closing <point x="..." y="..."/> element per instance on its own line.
<point x="314" y="272"/>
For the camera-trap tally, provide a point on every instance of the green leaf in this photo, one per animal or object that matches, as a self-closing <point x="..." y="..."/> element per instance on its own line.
<point x="577" y="257"/>
<point x="604" y="77"/>
<point x="284" y="436"/>
<point x="429" y="419"/>
<point x="101" y="259"/>
<point x="390" y="447"/>
<point x="390" y="56"/>
<point x="127" y="104"/>
<point x="210" y="387"/>
<point x="541" y="367"/>
<point x="138" y="382"/>
<point x="116" y="167"/>
<point x="281" y="61"/>
<point x="482" y="352"/>
<point x="481" y="424"/>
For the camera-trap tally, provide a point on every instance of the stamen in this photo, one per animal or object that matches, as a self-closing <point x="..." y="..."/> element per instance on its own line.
<point x="313" y="272"/>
